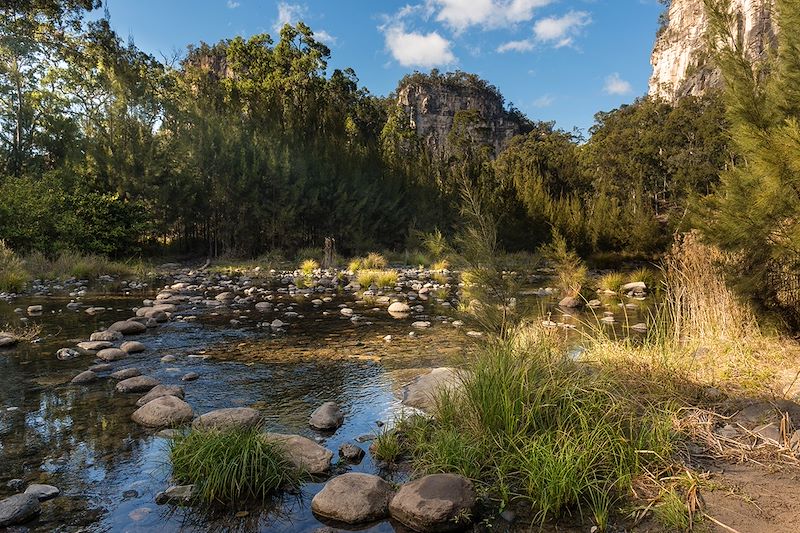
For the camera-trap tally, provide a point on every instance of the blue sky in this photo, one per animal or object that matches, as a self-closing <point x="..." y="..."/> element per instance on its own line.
<point x="560" y="60"/>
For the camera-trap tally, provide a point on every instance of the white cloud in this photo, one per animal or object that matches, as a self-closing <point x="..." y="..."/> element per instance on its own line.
<point x="616" y="85"/>
<point x="325" y="37"/>
<point x="525" y="45"/>
<point x="544" y="101"/>
<point x="414" y="49"/>
<point x="232" y="4"/>
<point x="560" y="31"/>
<point x="288" y="14"/>
<point x="458" y="15"/>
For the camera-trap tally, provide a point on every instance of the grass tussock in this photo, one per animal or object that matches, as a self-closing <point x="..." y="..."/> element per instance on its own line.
<point x="27" y="332"/>
<point x="374" y="261"/>
<point x="231" y="466"/>
<point x="73" y="264"/>
<point x="383" y="279"/>
<point x="13" y="274"/>
<point x="308" y="266"/>
<point x="533" y="426"/>
<point x="612" y="282"/>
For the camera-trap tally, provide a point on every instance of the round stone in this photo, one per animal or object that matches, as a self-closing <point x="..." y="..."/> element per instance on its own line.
<point x="163" y="412"/>
<point x="229" y="418"/>
<point x="136" y="384"/>
<point x="353" y="498"/>
<point x="439" y="502"/>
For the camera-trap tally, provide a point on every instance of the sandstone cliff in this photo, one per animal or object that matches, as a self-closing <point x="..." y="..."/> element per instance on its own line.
<point x="681" y="63"/>
<point x="431" y="102"/>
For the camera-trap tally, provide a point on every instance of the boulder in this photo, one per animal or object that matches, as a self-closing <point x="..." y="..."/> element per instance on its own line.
<point x="84" y="377"/>
<point x="132" y="347"/>
<point x="136" y="384"/>
<point x="351" y="453"/>
<point x="229" y="418"/>
<point x="95" y="346"/>
<point x="158" y="391"/>
<point x="18" y="508"/>
<point x="327" y="416"/>
<point x="34" y="309"/>
<point x="111" y="354"/>
<point x="439" y="502"/>
<point x="638" y="286"/>
<point x="125" y="373"/>
<point x="7" y="341"/>
<point x="353" y="498"/>
<point x="163" y="412"/>
<point x="399" y="308"/>
<point x="128" y="327"/>
<point x="191" y="376"/>
<point x="106" y="335"/>
<point x="42" y="492"/>
<point x="421" y="392"/>
<point x="305" y="454"/>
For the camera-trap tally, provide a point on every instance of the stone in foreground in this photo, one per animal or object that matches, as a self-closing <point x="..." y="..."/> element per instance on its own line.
<point x="158" y="391"/>
<point x="136" y="384"/>
<point x="421" y="392"/>
<point x="230" y="418"/>
<point x="305" y="454"/>
<point x="327" y="416"/>
<point x="18" y="508"/>
<point x="163" y="412"/>
<point x="42" y="492"/>
<point x="353" y="498"/>
<point x="439" y="502"/>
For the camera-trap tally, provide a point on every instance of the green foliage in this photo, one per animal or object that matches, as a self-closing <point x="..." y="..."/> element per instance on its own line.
<point x="754" y="213"/>
<point x="13" y="275"/>
<point x="672" y="512"/>
<point x="436" y="244"/>
<point x="230" y="466"/>
<point x="611" y="282"/>
<point x="386" y="446"/>
<point x="530" y="424"/>
<point x="384" y="279"/>
<point x="571" y="271"/>
<point x="308" y="266"/>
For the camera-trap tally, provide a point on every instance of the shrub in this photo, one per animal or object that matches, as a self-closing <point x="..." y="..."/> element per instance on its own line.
<point x="13" y="275"/>
<point x="570" y="269"/>
<point x="230" y="466"/>
<point x="308" y="266"/>
<point x="435" y="244"/>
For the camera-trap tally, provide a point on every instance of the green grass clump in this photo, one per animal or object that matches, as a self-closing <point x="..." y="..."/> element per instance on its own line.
<point x="442" y="264"/>
<point x="672" y="512"/>
<point x="308" y="266"/>
<point x="13" y="275"/>
<point x="387" y="446"/>
<point x="532" y="425"/>
<point x="374" y="261"/>
<point x="78" y="265"/>
<point x="231" y="466"/>
<point x="611" y="282"/>
<point x="382" y="278"/>
<point x="646" y="275"/>
<point x="354" y="265"/>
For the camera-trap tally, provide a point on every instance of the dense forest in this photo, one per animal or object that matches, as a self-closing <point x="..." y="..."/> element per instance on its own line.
<point x="251" y="145"/>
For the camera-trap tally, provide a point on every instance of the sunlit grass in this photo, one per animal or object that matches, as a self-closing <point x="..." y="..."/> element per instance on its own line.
<point x="384" y="279"/>
<point x="308" y="266"/>
<point x="611" y="282"/>
<point x="13" y="274"/>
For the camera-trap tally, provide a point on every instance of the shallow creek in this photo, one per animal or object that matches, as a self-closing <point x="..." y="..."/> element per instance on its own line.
<point x="82" y="440"/>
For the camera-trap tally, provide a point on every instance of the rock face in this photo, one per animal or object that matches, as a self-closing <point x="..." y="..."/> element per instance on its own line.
<point x="430" y="103"/>
<point x="439" y="502"/>
<point x="680" y="59"/>
<point x="18" y="508"/>
<point x="353" y="499"/>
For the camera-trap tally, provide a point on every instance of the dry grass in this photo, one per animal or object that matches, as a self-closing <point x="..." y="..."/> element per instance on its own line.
<point x="13" y="275"/>
<point x="26" y="333"/>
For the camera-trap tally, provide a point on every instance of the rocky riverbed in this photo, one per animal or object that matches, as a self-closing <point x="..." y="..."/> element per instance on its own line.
<point x="276" y="345"/>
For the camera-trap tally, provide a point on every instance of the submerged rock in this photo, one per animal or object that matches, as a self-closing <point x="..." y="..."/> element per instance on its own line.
<point x="351" y="453"/>
<point x="327" y="416"/>
<point x="163" y="412"/>
<point x="42" y="492"/>
<point x="176" y="494"/>
<point x="439" y="502"/>
<point x="230" y="418"/>
<point x="305" y="454"/>
<point x="158" y="391"/>
<point x="18" y="508"/>
<point x="107" y="335"/>
<point x="65" y="354"/>
<point x="125" y="373"/>
<point x="353" y="498"/>
<point x="84" y="377"/>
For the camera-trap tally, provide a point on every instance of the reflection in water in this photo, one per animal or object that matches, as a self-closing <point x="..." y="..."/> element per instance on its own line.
<point x="81" y="439"/>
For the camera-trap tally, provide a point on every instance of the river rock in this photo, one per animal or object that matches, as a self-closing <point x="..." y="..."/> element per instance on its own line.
<point x="225" y="296"/>
<point x="264" y="307"/>
<point x="229" y="418"/>
<point x="177" y="494"/>
<point x="132" y="347"/>
<point x="304" y="453"/>
<point x="34" y="309"/>
<point x="634" y="286"/>
<point x="353" y="498"/>
<point x="100" y="367"/>
<point x="7" y="341"/>
<point x="65" y="354"/>
<point x="439" y="502"/>
<point x="95" y="346"/>
<point x="569" y="302"/>
<point x="128" y="327"/>
<point x="162" y="412"/>
<point x="111" y="354"/>
<point x="106" y="335"/>
<point x="168" y="359"/>
<point x="84" y="377"/>
<point x="136" y="384"/>
<point x="191" y="376"/>
<point x="159" y="391"/>
<point x="351" y="453"/>
<point x="327" y="416"/>
<point x="125" y="373"/>
<point x="399" y="308"/>
<point x="421" y="324"/>
<point x="18" y="508"/>
<point x="42" y="492"/>
<point x="421" y="392"/>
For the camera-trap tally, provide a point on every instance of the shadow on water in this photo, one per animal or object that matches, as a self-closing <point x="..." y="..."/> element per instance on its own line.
<point x="81" y="438"/>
